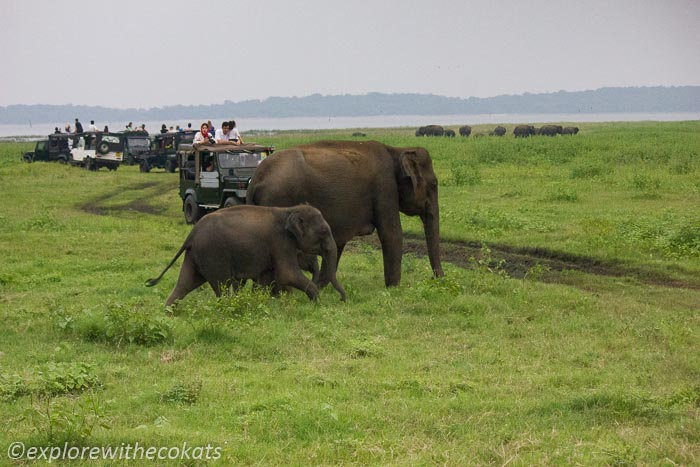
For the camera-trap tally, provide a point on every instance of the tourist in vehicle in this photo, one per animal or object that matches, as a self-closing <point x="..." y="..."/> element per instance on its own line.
<point x="163" y="129"/>
<point x="67" y="128"/>
<point x="202" y="136"/>
<point x="78" y="126"/>
<point x="142" y="128"/>
<point x="130" y="126"/>
<point x="106" y="130"/>
<point x="212" y="130"/>
<point x="223" y="135"/>
<point x="235" y="135"/>
<point x="92" y="126"/>
<point x="211" y="166"/>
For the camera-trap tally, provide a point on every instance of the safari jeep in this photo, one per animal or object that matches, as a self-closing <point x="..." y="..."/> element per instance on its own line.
<point x="136" y="144"/>
<point x="214" y="176"/>
<point x="163" y="151"/>
<point x="55" y="148"/>
<point x="95" y="150"/>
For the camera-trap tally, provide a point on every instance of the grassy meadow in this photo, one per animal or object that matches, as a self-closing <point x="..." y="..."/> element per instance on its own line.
<point x="566" y="329"/>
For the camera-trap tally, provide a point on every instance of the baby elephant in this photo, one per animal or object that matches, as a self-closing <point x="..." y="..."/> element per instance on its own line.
<point x="260" y="243"/>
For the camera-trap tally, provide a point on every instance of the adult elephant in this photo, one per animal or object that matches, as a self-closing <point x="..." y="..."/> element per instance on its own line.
<point x="550" y="130"/>
<point x="234" y="244"/>
<point x="498" y="131"/>
<point x="358" y="186"/>
<point x="430" y="130"/>
<point x="569" y="130"/>
<point x="523" y="131"/>
<point x="465" y="130"/>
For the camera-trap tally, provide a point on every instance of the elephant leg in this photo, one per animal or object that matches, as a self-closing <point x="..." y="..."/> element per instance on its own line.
<point x="308" y="262"/>
<point x="188" y="281"/>
<point x="295" y="278"/>
<point x="391" y="238"/>
<point x="324" y="266"/>
<point x="221" y="279"/>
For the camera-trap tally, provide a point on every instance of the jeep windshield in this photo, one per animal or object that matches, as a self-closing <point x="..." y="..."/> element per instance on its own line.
<point x="138" y="143"/>
<point x="231" y="160"/>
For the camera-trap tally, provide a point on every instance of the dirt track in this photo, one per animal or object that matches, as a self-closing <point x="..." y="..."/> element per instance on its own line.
<point x="517" y="262"/>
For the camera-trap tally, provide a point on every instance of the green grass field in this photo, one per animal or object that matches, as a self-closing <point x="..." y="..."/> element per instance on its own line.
<point x="566" y="329"/>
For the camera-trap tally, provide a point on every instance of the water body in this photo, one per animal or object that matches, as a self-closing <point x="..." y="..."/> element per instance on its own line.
<point x="378" y="121"/>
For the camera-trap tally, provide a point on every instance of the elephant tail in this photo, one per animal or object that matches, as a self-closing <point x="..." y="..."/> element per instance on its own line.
<point x="154" y="281"/>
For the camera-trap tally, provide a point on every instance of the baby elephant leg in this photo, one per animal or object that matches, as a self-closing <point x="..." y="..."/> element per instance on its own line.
<point x="188" y="281"/>
<point x="298" y="280"/>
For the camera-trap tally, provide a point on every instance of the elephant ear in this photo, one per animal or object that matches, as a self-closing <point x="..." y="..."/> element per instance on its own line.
<point x="295" y="225"/>
<point x="410" y="168"/>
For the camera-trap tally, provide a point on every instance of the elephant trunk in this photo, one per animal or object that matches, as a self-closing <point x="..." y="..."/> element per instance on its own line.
<point x="329" y="256"/>
<point x="431" y="226"/>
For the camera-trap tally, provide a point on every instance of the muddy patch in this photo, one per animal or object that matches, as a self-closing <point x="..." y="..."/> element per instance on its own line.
<point x="108" y="204"/>
<point x="519" y="262"/>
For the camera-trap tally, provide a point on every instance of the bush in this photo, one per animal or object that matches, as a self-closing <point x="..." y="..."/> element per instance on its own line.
<point x="126" y="324"/>
<point x="183" y="393"/>
<point x="66" y="378"/>
<point x="71" y="421"/>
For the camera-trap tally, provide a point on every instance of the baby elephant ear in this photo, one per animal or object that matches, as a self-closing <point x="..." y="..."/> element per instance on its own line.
<point x="295" y="225"/>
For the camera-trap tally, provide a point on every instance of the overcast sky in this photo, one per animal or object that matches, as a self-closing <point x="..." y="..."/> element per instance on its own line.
<point x="147" y="53"/>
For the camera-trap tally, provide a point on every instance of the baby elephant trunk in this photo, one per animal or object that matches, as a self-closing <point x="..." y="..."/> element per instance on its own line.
<point x="329" y="255"/>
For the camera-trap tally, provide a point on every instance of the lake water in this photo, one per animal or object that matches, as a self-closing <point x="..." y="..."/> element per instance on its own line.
<point x="380" y="121"/>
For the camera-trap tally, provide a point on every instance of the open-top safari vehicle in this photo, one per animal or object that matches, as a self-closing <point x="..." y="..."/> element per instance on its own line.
<point x="55" y="147"/>
<point x="214" y="176"/>
<point x="163" y="150"/>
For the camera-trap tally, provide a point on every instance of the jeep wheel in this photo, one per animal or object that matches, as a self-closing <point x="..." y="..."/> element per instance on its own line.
<point x="90" y="164"/>
<point x="62" y="159"/>
<point x="192" y="210"/>
<point x="231" y="201"/>
<point x="144" y="167"/>
<point x="28" y="158"/>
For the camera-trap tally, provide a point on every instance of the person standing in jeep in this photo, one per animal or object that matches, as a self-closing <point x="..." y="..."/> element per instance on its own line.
<point x="202" y="135"/>
<point x="78" y="126"/>
<point x="234" y="136"/>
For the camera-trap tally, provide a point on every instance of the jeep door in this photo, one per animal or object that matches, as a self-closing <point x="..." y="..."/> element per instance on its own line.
<point x="209" y="183"/>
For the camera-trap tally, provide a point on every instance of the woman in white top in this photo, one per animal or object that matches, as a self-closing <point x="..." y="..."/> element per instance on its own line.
<point x="202" y="136"/>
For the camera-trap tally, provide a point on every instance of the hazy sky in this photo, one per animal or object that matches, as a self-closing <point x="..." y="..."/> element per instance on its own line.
<point x="148" y="53"/>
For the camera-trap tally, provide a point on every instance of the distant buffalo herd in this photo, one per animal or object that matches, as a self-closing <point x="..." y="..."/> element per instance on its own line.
<point x="520" y="131"/>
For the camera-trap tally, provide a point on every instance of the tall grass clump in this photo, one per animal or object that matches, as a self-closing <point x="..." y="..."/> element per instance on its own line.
<point x="124" y="324"/>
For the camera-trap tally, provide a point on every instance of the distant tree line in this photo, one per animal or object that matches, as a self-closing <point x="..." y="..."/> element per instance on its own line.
<point x="604" y="100"/>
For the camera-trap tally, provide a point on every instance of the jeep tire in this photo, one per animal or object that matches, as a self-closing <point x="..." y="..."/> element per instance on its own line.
<point x="192" y="210"/>
<point x="144" y="166"/>
<point x="231" y="201"/>
<point x="90" y="164"/>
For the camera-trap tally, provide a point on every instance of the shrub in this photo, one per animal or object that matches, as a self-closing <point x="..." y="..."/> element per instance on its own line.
<point x="12" y="386"/>
<point x="645" y="183"/>
<point x="465" y="174"/>
<point x="66" y="378"/>
<point x="126" y="324"/>
<point x="70" y="421"/>
<point x="183" y="393"/>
